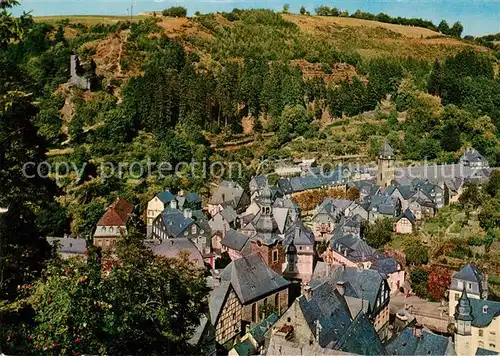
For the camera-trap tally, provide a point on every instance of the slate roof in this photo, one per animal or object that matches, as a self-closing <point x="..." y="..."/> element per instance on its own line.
<point x="69" y="245"/>
<point x="235" y="240"/>
<point x="357" y="249"/>
<point x="193" y="198"/>
<point x="259" y="331"/>
<point x="252" y="279"/>
<point x="406" y="343"/>
<point x="366" y="282"/>
<point x="300" y="235"/>
<point x="482" y="316"/>
<point x="229" y="214"/>
<point x="470" y="273"/>
<point x="175" y="222"/>
<point x="217" y="299"/>
<point x="483" y="352"/>
<point x="360" y="338"/>
<point x="383" y="204"/>
<point x="327" y="307"/>
<point x="172" y="248"/>
<point x="472" y="155"/>
<point x="386" y="150"/>
<point x="227" y="191"/>
<point x="409" y="215"/>
<point x="117" y="214"/>
<point x="166" y="197"/>
<point x="258" y="182"/>
<point x="384" y="264"/>
<point x="244" y="348"/>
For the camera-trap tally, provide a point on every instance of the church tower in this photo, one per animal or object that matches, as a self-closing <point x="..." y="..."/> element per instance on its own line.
<point x="463" y="323"/>
<point x="386" y="167"/>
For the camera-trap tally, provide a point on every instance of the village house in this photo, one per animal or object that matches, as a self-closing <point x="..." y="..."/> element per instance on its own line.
<point x="474" y="282"/>
<point x="472" y="158"/>
<point x="171" y="248"/>
<point x="191" y="224"/>
<point x="328" y="318"/>
<point x="223" y="220"/>
<point x="236" y="244"/>
<point x="327" y="215"/>
<point x="228" y="194"/>
<point x="247" y="287"/>
<point x="253" y="341"/>
<point x="351" y="251"/>
<point x="414" y="339"/>
<point x="300" y="253"/>
<point x="382" y="206"/>
<point x="156" y="205"/>
<point x="68" y="247"/>
<point x="366" y="284"/>
<point x="477" y="326"/>
<point x="405" y="224"/>
<point x="113" y="224"/>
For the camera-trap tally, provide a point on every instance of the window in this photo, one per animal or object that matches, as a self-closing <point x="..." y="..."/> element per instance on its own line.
<point x="481" y="332"/>
<point x="492" y="346"/>
<point x="485" y="309"/>
<point x="457" y="297"/>
<point x="254" y="312"/>
<point x="275" y="255"/>
<point x="469" y="286"/>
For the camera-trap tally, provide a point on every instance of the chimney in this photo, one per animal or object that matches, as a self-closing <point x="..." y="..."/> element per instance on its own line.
<point x="217" y="278"/>
<point x="188" y="213"/>
<point x="173" y="204"/>
<point x="341" y="287"/>
<point x="418" y="331"/>
<point x="307" y="292"/>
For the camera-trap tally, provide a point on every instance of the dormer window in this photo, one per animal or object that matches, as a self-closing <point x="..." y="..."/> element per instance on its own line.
<point x="485" y="309"/>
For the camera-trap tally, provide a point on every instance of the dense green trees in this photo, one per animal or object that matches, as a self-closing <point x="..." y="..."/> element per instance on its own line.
<point x="175" y="11"/>
<point x="416" y="253"/>
<point x="379" y="233"/>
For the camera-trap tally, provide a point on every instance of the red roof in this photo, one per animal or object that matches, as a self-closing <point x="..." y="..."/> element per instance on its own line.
<point x="117" y="213"/>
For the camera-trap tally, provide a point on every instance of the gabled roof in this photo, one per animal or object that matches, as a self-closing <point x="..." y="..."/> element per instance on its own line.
<point x="328" y="308"/>
<point x="123" y="208"/>
<point x="166" y="197"/>
<point x="171" y="248"/>
<point x="259" y="331"/>
<point x="227" y="191"/>
<point x="409" y="215"/>
<point x="117" y="213"/>
<point x="366" y="282"/>
<point x="361" y="338"/>
<point x="69" y="245"/>
<point x="229" y="214"/>
<point x="252" y="279"/>
<point x="175" y="222"/>
<point x="300" y="235"/>
<point x="470" y="273"/>
<point x="235" y="240"/>
<point x="407" y="343"/>
<point x="217" y="300"/>
<point x="193" y="198"/>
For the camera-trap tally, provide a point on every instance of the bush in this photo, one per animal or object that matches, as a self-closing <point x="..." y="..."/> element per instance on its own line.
<point x="175" y="11"/>
<point x="416" y="254"/>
